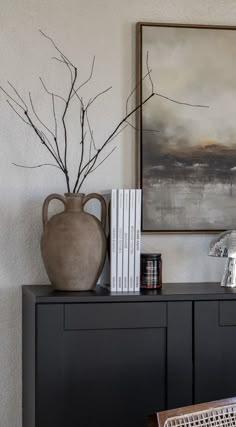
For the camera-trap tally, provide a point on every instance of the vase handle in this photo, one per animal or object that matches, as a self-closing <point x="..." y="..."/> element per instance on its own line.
<point x="103" y="206"/>
<point x="46" y="203"/>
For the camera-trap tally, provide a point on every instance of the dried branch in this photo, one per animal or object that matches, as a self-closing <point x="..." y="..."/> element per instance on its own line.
<point x="51" y="93"/>
<point x="27" y="123"/>
<point x="108" y="155"/>
<point x="90" y="147"/>
<point x="23" y="120"/>
<point x="181" y="103"/>
<point x="92" y="170"/>
<point x="59" y="60"/>
<point x="135" y="88"/>
<point x="38" y="118"/>
<point x="55" y="117"/>
<point x="90" y="130"/>
<point x="49" y="143"/>
<point x="139" y="130"/>
<point x="87" y="80"/>
<point x="120" y="131"/>
<point x="54" y="44"/>
<point x="64" y="124"/>
<point x="94" y="158"/>
<point x="12" y="99"/>
<point x="54" y="136"/>
<point x="95" y="97"/>
<point x="30" y="123"/>
<point x="93" y="161"/>
<point x="149" y="73"/>
<point x="38" y="133"/>
<point x="17" y="94"/>
<point x="37" y="166"/>
<point x="82" y="149"/>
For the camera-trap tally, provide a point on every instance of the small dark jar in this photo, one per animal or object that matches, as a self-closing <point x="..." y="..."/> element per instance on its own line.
<point x="151" y="271"/>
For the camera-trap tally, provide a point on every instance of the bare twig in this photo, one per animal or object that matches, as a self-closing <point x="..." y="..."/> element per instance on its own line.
<point x="90" y="147"/>
<point x="12" y="99"/>
<point x="135" y="88"/>
<point x="149" y="73"/>
<point x="17" y="94"/>
<point x="51" y="93"/>
<point x="82" y="148"/>
<point x="38" y="133"/>
<point x="94" y="158"/>
<point x="37" y="166"/>
<point x="54" y="136"/>
<point x="63" y="61"/>
<point x="54" y="44"/>
<point x="95" y="97"/>
<point x="118" y="133"/>
<point x="90" y="129"/>
<point x="139" y="130"/>
<point x="41" y="134"/>
<point x="91" y="169"/>
<point x="87" y="80"/>
<point x="108" y="155"/>
<point x="181" y="103"/>
<point x="37" y="116"/>
<point x="64" y="124"/>
<point x="23" y="120"/>
<point x="48" y="142"/>
<point x="55" y="117"/>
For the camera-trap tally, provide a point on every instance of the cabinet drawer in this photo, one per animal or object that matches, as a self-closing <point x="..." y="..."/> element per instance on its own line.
<point x="227" y="313"/>
<point x="115" y="315"/>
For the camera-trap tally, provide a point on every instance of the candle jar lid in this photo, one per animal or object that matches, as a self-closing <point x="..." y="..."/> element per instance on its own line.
<point x="145" y="255"/>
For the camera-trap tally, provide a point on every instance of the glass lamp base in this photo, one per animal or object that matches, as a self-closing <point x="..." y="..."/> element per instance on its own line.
<point x="229" y="276"/>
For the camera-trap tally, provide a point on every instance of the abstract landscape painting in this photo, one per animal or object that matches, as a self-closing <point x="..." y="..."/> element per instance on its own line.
<point x="188" y="139"/>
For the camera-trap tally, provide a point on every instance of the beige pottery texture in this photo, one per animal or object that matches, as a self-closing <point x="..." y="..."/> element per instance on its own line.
<point x="73" y="243"/>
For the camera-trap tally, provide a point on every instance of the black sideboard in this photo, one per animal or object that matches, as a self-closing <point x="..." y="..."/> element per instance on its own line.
<point x="92" y="359"/>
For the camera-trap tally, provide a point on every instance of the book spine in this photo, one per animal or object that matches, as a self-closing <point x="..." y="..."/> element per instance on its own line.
<point x="113" y="241"/>
<point x="126" y="241"/>
<point x="131" y="240"/>
<point x="120" y="240"/>
<point x="137" y="249"/>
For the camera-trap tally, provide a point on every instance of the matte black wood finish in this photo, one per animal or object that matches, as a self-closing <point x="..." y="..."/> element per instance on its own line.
<point x="28" y="362"/>
<point x="215" y="350"/>
<point x="169" y="292"/>
<point x="179" y="354"/>
<point x="95" y="359"/>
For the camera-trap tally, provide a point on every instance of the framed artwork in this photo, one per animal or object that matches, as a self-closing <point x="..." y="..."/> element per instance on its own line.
<point x="186" y="148"/>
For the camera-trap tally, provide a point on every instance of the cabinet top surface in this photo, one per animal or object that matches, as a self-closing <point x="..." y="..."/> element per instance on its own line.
<point x="169" y="292"/>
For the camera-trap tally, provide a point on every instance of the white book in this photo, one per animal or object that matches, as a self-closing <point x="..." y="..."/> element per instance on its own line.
<point x="120" y="212"/>
<point x="126" y="242"/>
<point x="137" y="240"/>
<point x="113" y="241"/>
<point x="131" y="240"/>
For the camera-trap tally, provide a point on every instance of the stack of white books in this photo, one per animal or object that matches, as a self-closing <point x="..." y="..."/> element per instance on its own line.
<point x="125" y="240"/>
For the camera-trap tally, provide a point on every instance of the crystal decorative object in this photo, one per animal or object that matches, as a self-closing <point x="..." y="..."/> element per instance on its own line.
<point x="224" y="245"/>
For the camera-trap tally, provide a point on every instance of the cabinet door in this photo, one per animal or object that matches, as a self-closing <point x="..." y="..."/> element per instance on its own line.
<point x="215" y="350"/>
<point x="108" y="364"/>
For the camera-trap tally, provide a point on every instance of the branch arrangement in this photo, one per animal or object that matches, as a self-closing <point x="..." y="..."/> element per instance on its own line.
<point x="91" y="156"/>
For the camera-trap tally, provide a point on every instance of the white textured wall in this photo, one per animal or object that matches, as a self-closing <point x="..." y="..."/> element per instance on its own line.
<point x="81" y="28"/>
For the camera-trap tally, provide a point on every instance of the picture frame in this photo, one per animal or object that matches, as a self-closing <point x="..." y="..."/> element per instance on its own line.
<point x="186" y="131"/>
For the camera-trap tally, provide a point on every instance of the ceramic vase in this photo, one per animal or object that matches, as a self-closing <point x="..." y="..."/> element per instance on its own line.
<point x="73" y="243"/>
